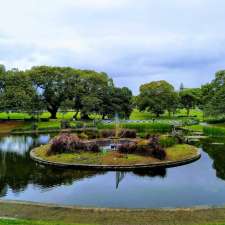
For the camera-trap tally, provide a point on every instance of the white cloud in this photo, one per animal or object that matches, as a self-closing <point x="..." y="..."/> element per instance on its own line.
<point x="133" y="41"/>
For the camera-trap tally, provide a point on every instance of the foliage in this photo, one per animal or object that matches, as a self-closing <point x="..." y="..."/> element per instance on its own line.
<point x="214" y="131"/>
<point x="190" y="98"/>
<point x="214" y="95"/>
<point x="151" y="148"/>
<point x="106" y="133"/>
<point x="127" y="133"/>
<point x="17" y="92"/>
<point x="140" y="127"/>
<point x="65" y="143"/>
<point x="123" y="133"/>
<point x="83" y="136"/>
<point x="157" y="97"/>
<point x="167" y="141"/>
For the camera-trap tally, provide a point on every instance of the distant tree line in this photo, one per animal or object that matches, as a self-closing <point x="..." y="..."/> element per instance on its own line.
<point x="46" y="88"/>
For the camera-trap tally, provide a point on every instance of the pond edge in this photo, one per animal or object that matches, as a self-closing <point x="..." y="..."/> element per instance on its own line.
<point x="166" y="164"/>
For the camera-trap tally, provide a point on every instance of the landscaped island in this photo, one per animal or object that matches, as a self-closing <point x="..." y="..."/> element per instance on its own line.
<point x="129" y="152"/>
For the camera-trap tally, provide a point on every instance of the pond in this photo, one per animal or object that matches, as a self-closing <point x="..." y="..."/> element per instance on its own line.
<point x="199" y="183"/>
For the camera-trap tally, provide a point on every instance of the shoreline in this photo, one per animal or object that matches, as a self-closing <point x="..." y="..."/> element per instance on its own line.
<point x="166" y="164"/>
<point x="112" y="216"/>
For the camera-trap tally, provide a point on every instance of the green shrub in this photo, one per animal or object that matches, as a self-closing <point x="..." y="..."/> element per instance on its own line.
<point x="83" y="136"/>
<point x="215" y="121"/>
<point x="214" y="131"/>
<point x="140" y="127"/>
<point x="150" y="147"/>
<point x="167" y="141"/>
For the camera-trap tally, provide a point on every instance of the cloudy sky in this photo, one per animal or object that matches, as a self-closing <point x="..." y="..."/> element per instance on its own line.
<point x="133" y="41"/>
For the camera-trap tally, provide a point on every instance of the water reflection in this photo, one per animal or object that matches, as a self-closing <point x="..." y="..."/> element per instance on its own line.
<point x="215" y="148"/>
<point x="193" y="184"/>
<point x="17" y="170"/>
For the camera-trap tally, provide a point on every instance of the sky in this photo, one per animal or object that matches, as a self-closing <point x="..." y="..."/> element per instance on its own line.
<point x="134" y="42"/>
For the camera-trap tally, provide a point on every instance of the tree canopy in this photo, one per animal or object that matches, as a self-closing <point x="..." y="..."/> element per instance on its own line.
<point x="156" y="97"/>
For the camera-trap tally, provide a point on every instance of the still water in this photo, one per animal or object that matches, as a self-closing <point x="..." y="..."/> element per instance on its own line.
<point x="199" y="183"/>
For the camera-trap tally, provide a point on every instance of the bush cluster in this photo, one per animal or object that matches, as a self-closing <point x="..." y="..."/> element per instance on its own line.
<point x="67" y="143"/>
<point x="127" y="133"/>
<point x="167" y="141"/>
<point x="140" y="126"/>
<point x="151" y="147"/>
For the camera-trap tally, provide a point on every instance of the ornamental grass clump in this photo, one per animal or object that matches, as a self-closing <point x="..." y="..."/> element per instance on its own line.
<point x="155" y="148"/>
<point x="150" y="147"/>
<point x="66" y="143"/>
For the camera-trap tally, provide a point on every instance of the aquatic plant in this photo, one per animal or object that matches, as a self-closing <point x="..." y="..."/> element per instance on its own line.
<point x="214" y="131"/>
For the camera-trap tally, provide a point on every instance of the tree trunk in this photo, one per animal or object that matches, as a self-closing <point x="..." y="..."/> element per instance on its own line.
<point x="85" y="116"/>
<point x="103" y="116"/>
<point x="53" y="112"/>
<point x="75" y="115"/>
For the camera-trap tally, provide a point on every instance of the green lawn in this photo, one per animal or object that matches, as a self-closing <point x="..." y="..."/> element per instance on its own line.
<point x="33" y="222"/>
<point x="30" y="213"/>
<point x="135" y="115"/>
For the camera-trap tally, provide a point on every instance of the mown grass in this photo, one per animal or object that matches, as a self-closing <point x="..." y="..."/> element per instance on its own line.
<point x="180" y="152"/>
<point x="195" y="128"/>
<point x="209" y="216"/>
<point x="174" y="153"/>
<point x="135" y="115"/>
<point x="33" y="222"/>
<point x="36" y="222"/>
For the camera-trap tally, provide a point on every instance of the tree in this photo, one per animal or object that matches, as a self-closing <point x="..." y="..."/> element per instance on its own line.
<point x="87" y="91"/>
<point x="17" y="92"/>
<point x="156" y="97"/>
<point x="181" y="87"/>
<point x="213" y="95"/>
<point x="122" y="102"/>
<point x="190" y="98"/>
<point x="51" y="85"/>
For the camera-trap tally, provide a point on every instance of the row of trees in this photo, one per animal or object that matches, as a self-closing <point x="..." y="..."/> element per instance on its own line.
<point x="62" y="88"/>
<point x="86" y="92"/>
<point x="159" y="96"/>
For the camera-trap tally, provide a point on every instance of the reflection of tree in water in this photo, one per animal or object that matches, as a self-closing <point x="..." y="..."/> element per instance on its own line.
<point x="158" y="172"/>
<point x="217" y="154"/>
<point x="18" y="170"/>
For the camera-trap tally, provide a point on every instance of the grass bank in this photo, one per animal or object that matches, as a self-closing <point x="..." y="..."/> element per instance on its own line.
<point x="33" y="222"/>
<point x="68" y="215"/>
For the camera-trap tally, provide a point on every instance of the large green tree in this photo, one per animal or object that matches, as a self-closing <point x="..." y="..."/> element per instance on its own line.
<point x="156" y="97"/>
<point x="190" y="98"/>
<point x="214" y="95"/>
<point x="17" y="92"/>
<point x="51" y="85"/>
